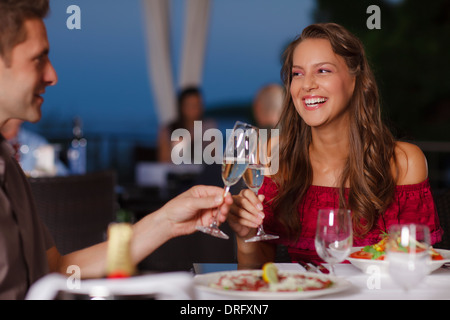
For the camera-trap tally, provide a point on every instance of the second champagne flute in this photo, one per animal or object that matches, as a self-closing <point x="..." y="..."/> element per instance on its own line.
<point x="254" y="177"/>
<point x="234" y="164"/>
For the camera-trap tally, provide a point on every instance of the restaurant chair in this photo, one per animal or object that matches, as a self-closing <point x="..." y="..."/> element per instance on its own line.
<point x="442" y="201"/>
<point x="145" y="154"/>
<point x="179" y="254"/>
<point x="76" y="209"/>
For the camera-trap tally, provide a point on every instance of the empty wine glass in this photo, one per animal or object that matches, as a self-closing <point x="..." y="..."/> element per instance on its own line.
<point x="407" y="254"/>
<point x="254" y="177"/>
<point x="235" y="162"/>
<point x="334" y="235"/>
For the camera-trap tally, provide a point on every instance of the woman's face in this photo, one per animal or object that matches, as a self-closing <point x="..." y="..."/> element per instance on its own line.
<point x="192" y="107"/>
<point x="322" y="85"/>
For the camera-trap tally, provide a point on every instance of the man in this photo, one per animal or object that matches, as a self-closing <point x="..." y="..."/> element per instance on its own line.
<point x="267" y="108"/>
<point x="267" y="105"/>
<point x="27" y="252"/>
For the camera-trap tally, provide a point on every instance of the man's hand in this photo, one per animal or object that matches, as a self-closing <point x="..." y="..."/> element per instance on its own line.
<point x="197" y="206"/>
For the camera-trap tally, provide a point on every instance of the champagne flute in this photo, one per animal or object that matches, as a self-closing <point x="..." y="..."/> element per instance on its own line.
<point x="407" y="253"/>
<point x="235" y="162"/>
<point x="254" y="178"/>
<point x="334" y="235"/>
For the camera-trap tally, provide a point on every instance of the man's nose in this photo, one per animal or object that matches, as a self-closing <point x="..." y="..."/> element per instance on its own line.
<point x="50" y="76"/>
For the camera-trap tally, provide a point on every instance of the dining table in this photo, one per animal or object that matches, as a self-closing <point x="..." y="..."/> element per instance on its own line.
<point x="374" y="285"/>
<point x="192" y="289"/>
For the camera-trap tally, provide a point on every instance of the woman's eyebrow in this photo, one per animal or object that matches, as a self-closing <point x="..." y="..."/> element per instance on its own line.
<point x="318" y="64"/>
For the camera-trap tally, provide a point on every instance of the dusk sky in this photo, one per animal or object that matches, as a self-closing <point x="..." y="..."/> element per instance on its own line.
<point x="102" y="67"/>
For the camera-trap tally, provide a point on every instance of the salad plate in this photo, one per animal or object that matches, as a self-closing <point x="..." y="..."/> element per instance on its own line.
<point x="372" y="265"/>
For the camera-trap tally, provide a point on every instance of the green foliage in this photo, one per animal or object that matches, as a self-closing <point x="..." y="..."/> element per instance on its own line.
<point x="410" y="56"/>
<point x="375" y="254"/>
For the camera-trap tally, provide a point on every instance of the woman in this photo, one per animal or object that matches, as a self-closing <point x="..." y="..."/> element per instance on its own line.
<point x="334" y="152"/>
<point x="190" y="109"/>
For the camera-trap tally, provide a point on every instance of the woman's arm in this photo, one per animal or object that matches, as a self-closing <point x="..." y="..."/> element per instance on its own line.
<point x="411" y="164"/>
<point x="253" y="255"/>
<point x="245" y="216"/>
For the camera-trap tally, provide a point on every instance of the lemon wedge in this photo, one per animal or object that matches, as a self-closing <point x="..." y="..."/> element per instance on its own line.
<point x="270" y="273"/>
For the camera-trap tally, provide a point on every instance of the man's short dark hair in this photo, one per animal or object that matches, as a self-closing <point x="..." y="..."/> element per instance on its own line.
<point x="13" y="14"/>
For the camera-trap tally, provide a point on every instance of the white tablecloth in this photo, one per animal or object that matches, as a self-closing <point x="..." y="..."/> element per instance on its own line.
<point x="380" y="286"/>
<point x="435" y="286"/>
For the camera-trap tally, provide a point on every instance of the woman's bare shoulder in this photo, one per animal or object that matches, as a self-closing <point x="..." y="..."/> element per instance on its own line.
<point x="411" y="166"/>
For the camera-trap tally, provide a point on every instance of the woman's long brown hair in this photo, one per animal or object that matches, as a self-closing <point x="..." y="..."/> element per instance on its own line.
<point x="371" y="150"/>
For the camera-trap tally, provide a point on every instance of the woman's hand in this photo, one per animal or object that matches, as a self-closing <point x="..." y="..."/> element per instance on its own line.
<point x="246" y="213"/>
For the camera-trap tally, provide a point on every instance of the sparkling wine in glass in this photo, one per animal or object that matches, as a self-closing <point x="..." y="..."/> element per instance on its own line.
<point x="235" y="162"/>
<point x="334" y="235"/>
<point x="254" y="177"/>
<point x="407" y="254"/>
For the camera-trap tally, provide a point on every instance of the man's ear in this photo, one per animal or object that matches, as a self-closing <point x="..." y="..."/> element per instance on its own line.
<point x="5" y="60"/>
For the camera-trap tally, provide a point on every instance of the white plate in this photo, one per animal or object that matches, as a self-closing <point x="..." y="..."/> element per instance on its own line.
<point x="369" y="266"/>
<point x="203" y="281"/>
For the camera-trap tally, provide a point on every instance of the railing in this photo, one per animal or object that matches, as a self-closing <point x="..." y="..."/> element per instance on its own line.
<point x="118" y="152"/>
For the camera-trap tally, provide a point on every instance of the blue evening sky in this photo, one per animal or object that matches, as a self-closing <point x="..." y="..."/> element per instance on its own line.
<point x="102" y="68"/>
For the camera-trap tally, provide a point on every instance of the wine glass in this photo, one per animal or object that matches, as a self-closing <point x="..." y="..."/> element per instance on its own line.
<point x="407" y="253"/>
<point x="254" y="178"/>
<point x="235" y="162"/>
<point x="334" y="235"/>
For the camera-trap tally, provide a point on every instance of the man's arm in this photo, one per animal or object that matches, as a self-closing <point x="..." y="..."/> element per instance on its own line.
<point x="178" y="217"/>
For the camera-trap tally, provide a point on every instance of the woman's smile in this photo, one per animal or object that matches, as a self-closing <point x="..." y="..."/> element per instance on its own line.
<point x="312" y="102"/>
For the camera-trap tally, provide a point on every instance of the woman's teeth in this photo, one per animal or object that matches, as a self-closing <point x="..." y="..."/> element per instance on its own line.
<point x="315" y="101"/>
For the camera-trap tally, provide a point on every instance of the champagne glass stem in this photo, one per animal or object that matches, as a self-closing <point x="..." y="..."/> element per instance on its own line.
<point x="260" y="227"/>
<point x="261" y="234"/>
<point x="332" y="269"/>
<point x="215" y="223"/>
<point x="260" y="230"/>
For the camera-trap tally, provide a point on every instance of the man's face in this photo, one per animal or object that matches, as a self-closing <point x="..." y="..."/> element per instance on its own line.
<point x="24" y="81"/>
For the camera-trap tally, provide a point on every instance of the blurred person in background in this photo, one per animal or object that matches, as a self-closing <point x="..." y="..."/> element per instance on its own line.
<point x="267" y="106"/>
<point x="190" y="109"/>
<point x="27" y="146"/>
